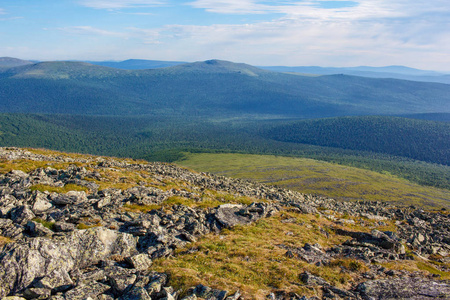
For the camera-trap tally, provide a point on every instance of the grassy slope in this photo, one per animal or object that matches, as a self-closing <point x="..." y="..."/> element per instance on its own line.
<point x="318" y="177"/>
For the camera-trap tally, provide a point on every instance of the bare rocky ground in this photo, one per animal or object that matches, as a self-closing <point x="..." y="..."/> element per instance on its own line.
<point x="87" y="243"/>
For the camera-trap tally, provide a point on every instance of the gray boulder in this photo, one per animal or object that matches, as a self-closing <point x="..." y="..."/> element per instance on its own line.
<point x="71" y="197"/>
<point x="404" y="288"/>
<point x="22" y="263"/>
<point x="22" y="214"/>
<point x="91" y="290"/>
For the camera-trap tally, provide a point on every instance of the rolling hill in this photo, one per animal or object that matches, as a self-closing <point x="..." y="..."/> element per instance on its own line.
<point x="137" y="64"/>
<point x="209" y="89"/>
<point x="416" y="139"/>
<point x="10" y="62"/>
<point x="396" y="72"/>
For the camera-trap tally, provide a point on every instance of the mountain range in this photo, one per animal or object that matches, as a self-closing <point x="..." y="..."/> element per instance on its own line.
<point x="394" y="72"/>
<point x="209" y="89"/>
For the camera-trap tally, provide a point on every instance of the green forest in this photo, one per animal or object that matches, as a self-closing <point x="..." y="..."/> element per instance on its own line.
<point x="164" y="139"/>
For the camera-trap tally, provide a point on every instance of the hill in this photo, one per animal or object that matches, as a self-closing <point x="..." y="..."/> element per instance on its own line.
<point x="439" y="117"/>
<point x="10" y="62"/>
<point x="77" y="226"/>
<point x="395" y="72"/>
<point x="416" y="139"/>
<point x="209" y="89"/>
<point x="137" y="64"/>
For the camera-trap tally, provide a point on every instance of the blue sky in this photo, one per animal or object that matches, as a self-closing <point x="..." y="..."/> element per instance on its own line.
<point x="415" y="33"/>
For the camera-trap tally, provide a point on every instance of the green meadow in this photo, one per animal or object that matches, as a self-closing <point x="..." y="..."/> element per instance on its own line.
<point x="320" y="178"/>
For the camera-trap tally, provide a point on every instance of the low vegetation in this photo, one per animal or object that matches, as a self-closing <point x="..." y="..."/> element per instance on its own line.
<point x="250" y="257"/>
<point x="320" y="178"/>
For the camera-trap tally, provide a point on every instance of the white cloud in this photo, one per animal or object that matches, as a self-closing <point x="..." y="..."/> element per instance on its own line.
<point x="373" y="32"/>
<point x="355" y="9"/>
<point x="88" y="30"/>
<point x="119" y="4"/>
<point x="2" y="11"/>
<point x="233" y="6"/>
<point x="322" y="41"/>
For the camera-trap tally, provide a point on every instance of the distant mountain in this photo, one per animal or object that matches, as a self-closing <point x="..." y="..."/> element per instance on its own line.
<point x="61" y="70"/>
<point x="209" y="89"/>
<point x="9" y="62"/>
<point x="137" y="64"/>
<point x="439" y="117"/>
<point x="395" y="72"/>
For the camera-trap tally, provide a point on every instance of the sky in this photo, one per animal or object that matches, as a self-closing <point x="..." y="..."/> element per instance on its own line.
<point x="413" y="33"/>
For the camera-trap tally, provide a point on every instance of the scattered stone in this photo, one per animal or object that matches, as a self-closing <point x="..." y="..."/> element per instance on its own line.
<point x="140" y="261"/>
<point x="22" y="214"/>
<point x="37" y="293"/>
<point x="404" y="288"/>
<point x="309" y="279"/>
<point x="113" y="259"/>
<point x="81" y="292"/>
<point x="205" y="292"/>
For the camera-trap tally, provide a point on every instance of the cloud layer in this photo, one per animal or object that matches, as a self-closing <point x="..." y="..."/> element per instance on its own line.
<point x="119" y="4"/>
<point x="310" y="32"/>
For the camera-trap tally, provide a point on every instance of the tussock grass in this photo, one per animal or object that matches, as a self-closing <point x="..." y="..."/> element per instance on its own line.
<point x="49" y="225"/>
<point x="56" y="189"/>
<point x="417" y="264"/>
<point x="89" y="223"/>
<point x="30" y="165"/>
<point x="249" y="257"/>
<point x="208" y="199"/>
<point x="4" y="240"/>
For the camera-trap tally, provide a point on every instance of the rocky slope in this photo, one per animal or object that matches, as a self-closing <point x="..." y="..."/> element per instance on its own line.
<point x="85" y="227"/>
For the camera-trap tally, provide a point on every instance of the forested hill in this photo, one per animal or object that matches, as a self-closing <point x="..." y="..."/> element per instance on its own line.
<point x="209" y="89"/>
<point x="417" y="139"/>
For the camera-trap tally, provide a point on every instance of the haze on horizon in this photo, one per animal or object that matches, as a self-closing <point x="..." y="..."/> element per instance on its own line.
<point x="413" y="33"/>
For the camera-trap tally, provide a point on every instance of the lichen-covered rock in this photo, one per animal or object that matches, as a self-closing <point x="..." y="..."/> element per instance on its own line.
<point x="404" y="288"/>
<point x="206" y="292"/>
<point x="71" y="197"/>
<point x="37" y="229"/>
<point x="57" y="281"/>
<point x="136" y="293"/>
<point x="309" y="279"/>
<point x="81" y="292"/>
<point x="41" y="203"/>
<point x="121" y="283"/>
<point x="20" y="264"/>
<point x="37" y="293"/>
<point x="140" y="261"/>
<point x="22" y="214"/>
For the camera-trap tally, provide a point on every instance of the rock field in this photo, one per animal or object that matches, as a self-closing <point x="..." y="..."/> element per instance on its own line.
<point x="89" y="243"/>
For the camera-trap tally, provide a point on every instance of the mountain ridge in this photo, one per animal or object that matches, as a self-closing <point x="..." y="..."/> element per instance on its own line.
<point x="207" y="89"/>
<point x="394" y="71"/>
